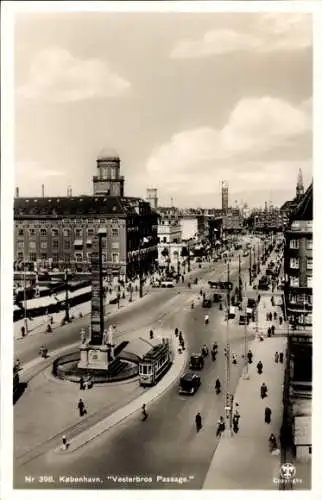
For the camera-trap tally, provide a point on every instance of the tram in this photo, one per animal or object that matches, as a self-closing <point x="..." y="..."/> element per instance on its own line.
<point x="155" y="363"/>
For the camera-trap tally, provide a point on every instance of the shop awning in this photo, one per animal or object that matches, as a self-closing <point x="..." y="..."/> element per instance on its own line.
<point x="39" y="302"/>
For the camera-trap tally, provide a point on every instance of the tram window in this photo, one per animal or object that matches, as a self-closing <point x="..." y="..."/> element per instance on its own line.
<point x="149" y="370"/>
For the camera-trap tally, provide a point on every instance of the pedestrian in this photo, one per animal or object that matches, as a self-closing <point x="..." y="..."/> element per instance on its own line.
<point x="270" y="316"/>
<point x="200" y="292"/>
<point x="220" y="426"/>
<point x="259" y="298"/>
<point x="81" y="384"/>
<point x="151" y="334"/>
<point x="182" y="278"/>
<point x="276" y="357"/>
<point x="234" y="359"/>
<point x="250" y="357"/>
<point x="176" y="332"/>
<point x="23" y="331"/>
<point x="281" y="320"/>
<point x="272" y="442"/>
<point x="198" y="421"/>
<point x="144" y="412"/>
<point x="64" y="443"/>
<point x="236" y="418"/>
<point x="269" y="332"/>
<point x="268" y="415"/>
<point x="81" y="408"/>
<point x="275" y="315"/>
<point x="259" y="367"/>
<point x="281" y="357"/>
<point x="273" y="329"/>
<point x="263" y="390"/>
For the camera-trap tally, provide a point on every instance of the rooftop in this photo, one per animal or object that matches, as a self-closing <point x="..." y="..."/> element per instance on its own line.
<point x="77" y="206"/>
<point x="304" y="209"/>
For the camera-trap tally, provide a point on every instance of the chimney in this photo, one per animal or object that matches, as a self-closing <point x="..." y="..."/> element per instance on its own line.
<point x="43" y="190"/>
<point x="17" y="192"/>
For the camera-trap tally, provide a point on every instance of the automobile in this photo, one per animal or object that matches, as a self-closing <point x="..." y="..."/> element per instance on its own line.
<point x="206" y="302"/>
<point x="243" y="319"/>
<point x="263" y="284"/>
<point x="198" y="259"/>
<point x="189" y="383"/>
<point x="251" y="303"/>
<point x="167" y="284"/>
<point x="196" y="362"/>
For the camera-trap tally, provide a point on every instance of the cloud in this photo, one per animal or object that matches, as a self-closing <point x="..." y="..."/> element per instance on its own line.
<point x="196" y="160"/>
<point x="35" y="170"/>
<point x="55" y="75"/>
<point x="268" y="33"/>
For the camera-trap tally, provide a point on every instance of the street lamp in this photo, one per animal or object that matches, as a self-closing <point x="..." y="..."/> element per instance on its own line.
<point x="67" y="318"/>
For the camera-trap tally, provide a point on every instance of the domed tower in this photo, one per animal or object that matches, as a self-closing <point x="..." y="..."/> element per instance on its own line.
<point x="108" y="180"/>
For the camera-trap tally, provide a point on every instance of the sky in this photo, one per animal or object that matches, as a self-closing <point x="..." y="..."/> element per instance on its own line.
<point x="186" y="99"/>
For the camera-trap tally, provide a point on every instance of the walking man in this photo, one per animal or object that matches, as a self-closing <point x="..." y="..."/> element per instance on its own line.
<point x="250" y="357"/>
<point x="220" y="426"/>
<point x="81" y="408"/>
<point x="259" y="367"/>
<point x="281" y="357"/>
<point x="198" y="421"/>
<point x="236" y="418"/>
<point x="276" y="357"/>
<point x="268" y="415"/>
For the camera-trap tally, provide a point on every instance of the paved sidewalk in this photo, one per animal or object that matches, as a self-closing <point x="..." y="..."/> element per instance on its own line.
<point x="243" y="461"/>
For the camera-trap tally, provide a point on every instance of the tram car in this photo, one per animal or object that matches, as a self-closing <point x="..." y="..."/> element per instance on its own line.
<point x="155" y="363"/>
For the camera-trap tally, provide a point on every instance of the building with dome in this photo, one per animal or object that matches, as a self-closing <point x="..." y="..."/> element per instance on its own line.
<point x="57" y="232"/>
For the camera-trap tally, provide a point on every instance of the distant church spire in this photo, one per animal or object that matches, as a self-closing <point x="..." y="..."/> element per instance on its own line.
<point x="299" y="185"/>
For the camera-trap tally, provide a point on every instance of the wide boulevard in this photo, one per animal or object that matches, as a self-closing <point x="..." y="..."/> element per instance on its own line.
<point x="166" y="447"/>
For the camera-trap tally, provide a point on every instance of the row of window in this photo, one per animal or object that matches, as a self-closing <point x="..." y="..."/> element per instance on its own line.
<point x="300" y="299"/>
<point x="295" y="281"/>
<point x="66" y="232"/>
<point x="67" y="244"/>
<point x="295" y="244"/>
<point x="295" y="263"/>
<point x="78" y="256"/>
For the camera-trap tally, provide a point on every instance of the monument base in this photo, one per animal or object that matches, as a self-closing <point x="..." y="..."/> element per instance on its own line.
<point x="94" y="357"/>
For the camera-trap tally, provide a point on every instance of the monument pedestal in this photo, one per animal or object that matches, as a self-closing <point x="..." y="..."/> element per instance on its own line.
<point x="94" y="357"/>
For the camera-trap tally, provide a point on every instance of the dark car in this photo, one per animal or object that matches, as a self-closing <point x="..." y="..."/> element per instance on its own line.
<point x="263" y="284"/>
<point x="251" y="303"/>
<point x="189" y="383"/>
<point x="206" y="303"/>
<point x="196" y="362"/>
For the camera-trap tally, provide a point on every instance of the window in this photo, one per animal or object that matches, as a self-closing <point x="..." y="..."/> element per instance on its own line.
<point x="54" y="232"/>
<point x="309" y="263"/>
<point x="32" y="233"/>
<point x="78" y="233"/>
<point x="43" y="245"/>
<point x="294" y="263"/>
<point x="115" y="245"/>
<point x="292" y="299"/>
<point x="66" y="257"/>
<point x="32" y="245"/>
<point x="20" y="244"/>
<point x="78" y="257"/>
<point x="294" y="244"/>
<point x="32" y="256"/>
<point x="294" y="281"/>
<point x="115" y="258"/>
<point x="43" y="232"/>
<point x="90" y="232"/>
<point x="55" y="244"/>
<point x="20" y="232"/>
<point x="20" y="256"/>
<point x="66" y="233"/>
<point x="309" y="244"/>
<point x="43" y="256"/>
<point x="55" y="257"/>
<point x="66" y="244"/>
<point x="115" y="232"/>
<point x="309" y="282"/>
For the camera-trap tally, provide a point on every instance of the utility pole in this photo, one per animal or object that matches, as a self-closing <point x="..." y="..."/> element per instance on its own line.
<point x="239" y="279"/>
<point x="140" y="274"/>
<point x="250" y="266"/>
<point x="246" y="374"/>
<point x="229" y="396"/>
<point x="66" y="298"/>
<point x="189" y="260"/>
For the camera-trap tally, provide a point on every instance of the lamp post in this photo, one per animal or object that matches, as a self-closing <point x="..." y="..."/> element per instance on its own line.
<point x="250" y="267"/>
<point x="188" y="260"/>
<point x="140" y="274"/>
<point x="229" y="396"/>
<point x="67" y="318"/>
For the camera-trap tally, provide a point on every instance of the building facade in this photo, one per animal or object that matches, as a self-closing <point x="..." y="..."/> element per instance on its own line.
<point x="298" y="262"/>
<point x="57" y="232"/>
